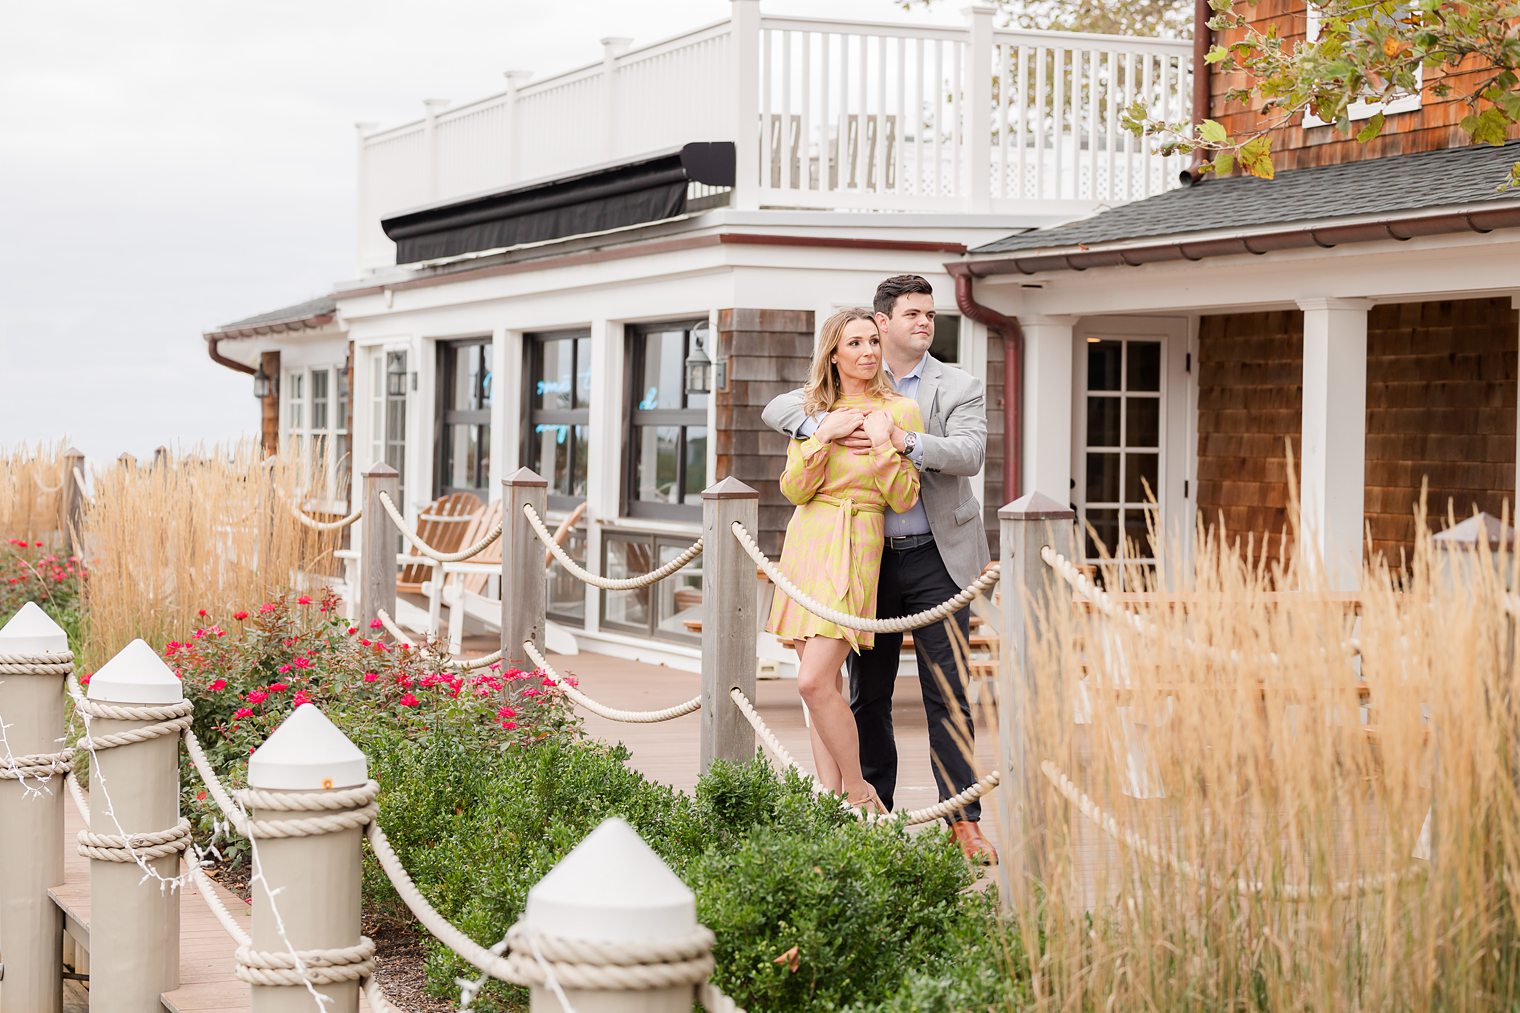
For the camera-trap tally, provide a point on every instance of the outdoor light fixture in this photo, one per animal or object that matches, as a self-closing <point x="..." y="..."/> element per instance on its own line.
<point x="395" y="377"/>
<point x="261" y="385"/>
<point x="698" y="365"/>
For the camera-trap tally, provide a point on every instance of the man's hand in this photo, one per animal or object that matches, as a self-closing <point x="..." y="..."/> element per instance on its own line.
<point x="860" y="442"/>
<point x="839" y="425"/>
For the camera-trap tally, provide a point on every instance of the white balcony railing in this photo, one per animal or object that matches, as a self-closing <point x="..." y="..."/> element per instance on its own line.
<point x="846" y="115"/>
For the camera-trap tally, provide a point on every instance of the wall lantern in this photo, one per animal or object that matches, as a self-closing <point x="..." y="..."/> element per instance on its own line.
<point x="262" y="388"/>
<point x="395" y="376"/>
<point x="698" y="366"/>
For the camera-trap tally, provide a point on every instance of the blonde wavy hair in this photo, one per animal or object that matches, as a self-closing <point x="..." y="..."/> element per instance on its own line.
<point x="822" y="388"/>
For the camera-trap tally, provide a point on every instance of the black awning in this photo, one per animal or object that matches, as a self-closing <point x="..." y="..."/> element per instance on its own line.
<point x="646" y="190"/>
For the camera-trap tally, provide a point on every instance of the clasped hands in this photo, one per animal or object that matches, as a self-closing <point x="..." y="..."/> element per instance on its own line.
<point x="860" y="431"/>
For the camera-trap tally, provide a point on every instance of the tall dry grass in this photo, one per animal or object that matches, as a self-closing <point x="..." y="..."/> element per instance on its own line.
<point x="211" y="529"/>
<point x="1276" y="872"/>
<point x="32" y="487"/>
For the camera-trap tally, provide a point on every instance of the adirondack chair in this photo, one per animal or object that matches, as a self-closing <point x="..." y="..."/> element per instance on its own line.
<point x="464" y="588"/>
<point x="443" y="524"/>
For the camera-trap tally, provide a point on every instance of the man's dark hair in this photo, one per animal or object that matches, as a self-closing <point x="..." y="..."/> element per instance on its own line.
<point x="902" y="284"/>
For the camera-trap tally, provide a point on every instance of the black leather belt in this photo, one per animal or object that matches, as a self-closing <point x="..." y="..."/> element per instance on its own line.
<point x="902" y="542"/>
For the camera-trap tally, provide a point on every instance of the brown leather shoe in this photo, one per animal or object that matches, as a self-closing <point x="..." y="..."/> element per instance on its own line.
<point x="977" y="849"/>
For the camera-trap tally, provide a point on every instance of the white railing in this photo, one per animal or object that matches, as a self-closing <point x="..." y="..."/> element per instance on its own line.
<point x="847" y="114"/>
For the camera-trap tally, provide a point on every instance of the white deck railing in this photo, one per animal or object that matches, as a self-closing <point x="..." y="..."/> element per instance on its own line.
<point x="847" y="114"/>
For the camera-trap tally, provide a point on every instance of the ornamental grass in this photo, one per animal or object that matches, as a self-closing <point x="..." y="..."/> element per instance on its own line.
<point x="31" y="492"/>
<point x="205" y="530"/>
<point x="1269" y="860"/>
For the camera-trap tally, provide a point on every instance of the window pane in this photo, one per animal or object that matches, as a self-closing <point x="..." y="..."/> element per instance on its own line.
<point x="465" y="391"/>
<point x="553" y="383"/>
<point x="1142" y="416"/>
<point x="482" y="456"/>
<point x="483" y="370"/>
<point x="663" y="377"/>
<point x="319" y="420"/>
<point x="581" y="456"/>
<point x="627" y="559"/>
<point x="1140" y="470"/>
<point x="1137" y="528"/>
<point x="1144" y="371"/>
<point x="340" y="419"/>
<point x="696" y="462"/>
<point x="1102" y="478"/>
<point x="1104" y="536"/>
<point x="582" y="372"/>
<point x="656" y="448"/>
<point x="1102" y="422"/>
<point x="460" y="466"/>
<point x="947" y="338"/>
<point x="1103" y="365"/>
<point x="550" y="455"/>
<point x="679" y="596"/>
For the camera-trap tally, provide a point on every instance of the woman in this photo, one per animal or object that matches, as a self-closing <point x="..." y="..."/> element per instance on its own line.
<point x="834" y="540"/>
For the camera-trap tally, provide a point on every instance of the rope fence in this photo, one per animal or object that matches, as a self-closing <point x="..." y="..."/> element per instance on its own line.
<point x="601" y="709"/>
<point x="900" y="624"/>
<point x="585" y="576"/>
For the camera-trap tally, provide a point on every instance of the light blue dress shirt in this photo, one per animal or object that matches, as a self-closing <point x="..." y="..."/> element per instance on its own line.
<point x="913" y="521"/>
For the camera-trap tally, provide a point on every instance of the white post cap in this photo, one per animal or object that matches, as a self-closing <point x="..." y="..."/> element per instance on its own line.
<point x="612" y="887"/>
<point x="307" y="753"/>
<point x="32" y="631"/>
<point x="136" y="675"/>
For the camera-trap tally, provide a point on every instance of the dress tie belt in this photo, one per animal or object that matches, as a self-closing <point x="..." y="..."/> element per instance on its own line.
<point x="840" y="555"/>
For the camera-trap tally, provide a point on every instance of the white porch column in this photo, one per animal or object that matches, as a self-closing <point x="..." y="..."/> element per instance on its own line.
<point x="744" y="65"/>
<point x="606" y="425"/>
<point x="1048" y="395"/>
<point x="1334" y="431"/>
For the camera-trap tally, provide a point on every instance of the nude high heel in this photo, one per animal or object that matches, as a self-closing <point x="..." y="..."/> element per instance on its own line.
<point x="870" y="804"/>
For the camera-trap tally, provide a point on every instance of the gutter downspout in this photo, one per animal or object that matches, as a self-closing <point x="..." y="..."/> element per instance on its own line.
<point x="1013" y="376"/>
<point x="1203" y="38"/>
<point x="221" y="360"/>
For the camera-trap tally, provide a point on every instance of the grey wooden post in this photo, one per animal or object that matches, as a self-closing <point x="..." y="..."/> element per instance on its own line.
<point x="1027" y="524"/>
<point x="73" y="501"/>
<point x="377" y="552"/>
<point x="729" y="621"/>
<point x="524" y="587"/>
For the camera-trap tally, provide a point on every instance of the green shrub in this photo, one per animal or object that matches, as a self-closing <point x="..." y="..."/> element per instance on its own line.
<point x="31" y="571"/>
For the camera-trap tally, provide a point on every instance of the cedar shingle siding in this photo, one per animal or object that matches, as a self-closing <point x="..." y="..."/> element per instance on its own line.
<point x="768" y="353"/>
<point x="1250" y="402"/>
<point x="1441" y="404"/>
<point x="996" y="442"/>
<point x="1436" y="124"/>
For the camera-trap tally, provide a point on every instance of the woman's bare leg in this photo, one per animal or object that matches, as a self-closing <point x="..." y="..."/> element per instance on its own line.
<point x="823" y="761"/>
<point x="833" y="725"/>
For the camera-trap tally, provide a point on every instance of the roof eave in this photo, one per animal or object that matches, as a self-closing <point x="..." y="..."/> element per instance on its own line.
<point x="311" y="323"/>
<point x="1197" y="247"/>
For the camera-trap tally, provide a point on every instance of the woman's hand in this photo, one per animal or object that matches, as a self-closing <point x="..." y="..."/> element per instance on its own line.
<point x="879" y="426"/>
<point x="838" y="424"/>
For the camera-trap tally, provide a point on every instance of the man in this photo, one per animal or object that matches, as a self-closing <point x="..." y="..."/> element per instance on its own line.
<point x="931" y="551"/>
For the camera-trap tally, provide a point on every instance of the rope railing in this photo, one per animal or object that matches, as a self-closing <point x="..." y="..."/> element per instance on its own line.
<point x="601" y="709"/>
<point x="458" y="664"/>
<point x="563" y="531"/>
<point x="1291" y="892"/>
<point x="308" y="521"/>
<point x="898" y="624"/>
<point x="47" y="490"/>
<point x="585" y="576"/>
<point x="429" y="551"/>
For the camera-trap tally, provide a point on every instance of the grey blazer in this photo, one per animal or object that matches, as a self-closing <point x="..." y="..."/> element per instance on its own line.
<point x="955" y="445"/>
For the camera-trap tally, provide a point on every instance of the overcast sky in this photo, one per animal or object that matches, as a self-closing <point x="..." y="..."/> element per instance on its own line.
<point x="175" y="165"/>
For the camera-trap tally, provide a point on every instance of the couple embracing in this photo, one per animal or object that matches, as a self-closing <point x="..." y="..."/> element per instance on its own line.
<point x="884" y="441"/>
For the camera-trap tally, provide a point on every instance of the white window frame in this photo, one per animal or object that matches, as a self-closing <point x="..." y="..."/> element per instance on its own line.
<point x="296" y="420"/>
<point x="1362" y="109"/>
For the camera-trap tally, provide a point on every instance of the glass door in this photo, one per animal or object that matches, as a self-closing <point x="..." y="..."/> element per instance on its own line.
<point x="388" y="384"/>
<point x="464" y="419"/>
<point x="1119" y="488"/>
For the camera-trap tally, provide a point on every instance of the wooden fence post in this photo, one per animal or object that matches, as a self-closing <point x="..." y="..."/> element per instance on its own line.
<point x="377" y="552"/>
<point x="729" y="621"/>
<point x="31" y="819"/>
<point x="612" y="888"/>
<point x="309" y="884"/>
<point x="524" y="586"/>
<point x="73" y="501"/>
<point x="1027" y="524"/>
<point x="134" y="789"/>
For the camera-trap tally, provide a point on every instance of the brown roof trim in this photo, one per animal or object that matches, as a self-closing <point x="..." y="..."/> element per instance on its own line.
<point x="1081" y="258"/>
<point x="311" y="323"/>
<point x="650" y="248"/>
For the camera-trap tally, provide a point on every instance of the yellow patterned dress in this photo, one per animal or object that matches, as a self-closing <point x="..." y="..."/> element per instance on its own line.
<point x="834" y="539"/>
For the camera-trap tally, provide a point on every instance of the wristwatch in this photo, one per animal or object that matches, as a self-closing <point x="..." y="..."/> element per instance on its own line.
<point x="910" y="440"/>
